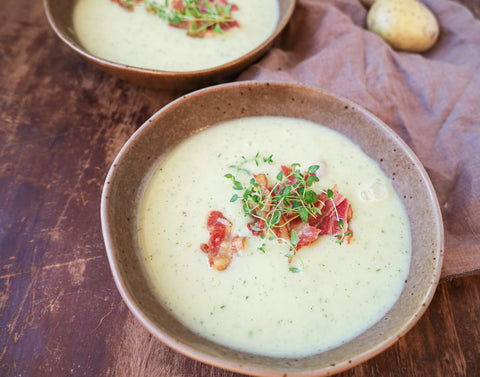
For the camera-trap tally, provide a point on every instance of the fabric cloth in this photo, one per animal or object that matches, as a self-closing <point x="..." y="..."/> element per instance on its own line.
<point x="431" y="100"/>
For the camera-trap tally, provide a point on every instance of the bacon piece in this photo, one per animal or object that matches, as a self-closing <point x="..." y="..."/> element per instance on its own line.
<point x="128" y="5"/>
<point x="229" y="25"/>
<point x="334" y="214"/>
<point x="215" y="218"/>
<point x="257" y="227"/>
<point x="200" y="28"/>
<point x="237" y="243"/>
<point x="177" y="5"/>
<point x="283" y="228"/>
<point x="221" y="246"/>
<point x="307" y="234"/>
<point x="326" y="223"/>
<point x="219" y="228"/>
<point x="338" y="207"/>
<point x="261" y="180"/>
<point x="289" y="179"/>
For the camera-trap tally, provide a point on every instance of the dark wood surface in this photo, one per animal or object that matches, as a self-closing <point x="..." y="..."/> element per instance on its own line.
<point x="62" y="122"/>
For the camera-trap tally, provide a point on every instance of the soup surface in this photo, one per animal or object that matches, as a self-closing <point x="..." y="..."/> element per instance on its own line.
<point x="258" y="304"/>
<point x="141" y="39"/>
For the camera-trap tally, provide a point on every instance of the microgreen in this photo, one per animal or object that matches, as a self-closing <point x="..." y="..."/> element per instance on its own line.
<point x="294" y="238"/>
<point x="268" y="159"/>
<point x="340" y="237"/>
<point x="240" y="167"/>
<point x="196" y="16"/>
<point x="128" y="4"/>
<point x="262" y="248"/>
<point x="292" y="197"/>
<point x="330" y="194"/>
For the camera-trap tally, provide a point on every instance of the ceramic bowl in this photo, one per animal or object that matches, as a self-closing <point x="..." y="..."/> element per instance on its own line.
<point x="60" y="16"/>
<point x="203" y="108"/>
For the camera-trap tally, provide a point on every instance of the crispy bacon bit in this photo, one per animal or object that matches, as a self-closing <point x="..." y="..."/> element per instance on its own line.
<point x="237" y="243"/>
<point x="200" y="17"/>
<point x="289" y="210"/>
<point x="257" y="227"/>
<point x="336" y="212"/>
<point x="327" y="222"/>
<point x="127" y="4"/>
<point x="177" y="5"/>
<point x="199" y="27"/>
<point x="307" y="234"/>
<point x="221" y="245"/>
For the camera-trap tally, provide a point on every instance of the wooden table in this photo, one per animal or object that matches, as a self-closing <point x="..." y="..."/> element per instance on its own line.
<point x="62" y="122"/>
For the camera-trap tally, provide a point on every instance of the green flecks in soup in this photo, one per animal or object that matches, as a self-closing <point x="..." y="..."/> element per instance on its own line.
<point x="257" y="304"/>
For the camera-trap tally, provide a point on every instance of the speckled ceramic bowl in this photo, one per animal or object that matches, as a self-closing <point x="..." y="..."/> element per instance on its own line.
<point x="60" y="16"/>
<point x="203" y="108"/>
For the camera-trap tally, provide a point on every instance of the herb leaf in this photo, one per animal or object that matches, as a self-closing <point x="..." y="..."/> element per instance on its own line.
<point x="294" y="238"/>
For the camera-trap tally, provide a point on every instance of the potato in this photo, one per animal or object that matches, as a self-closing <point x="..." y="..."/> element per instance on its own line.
<point x="406" y="25"/>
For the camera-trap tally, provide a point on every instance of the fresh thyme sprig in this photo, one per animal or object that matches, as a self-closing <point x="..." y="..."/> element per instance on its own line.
<point x="291" y="198"/>
<point x="128" y="4"/>
<point x="255" y="159"/>
<point x="196" y="16"/>
<point x="340" y="237"/>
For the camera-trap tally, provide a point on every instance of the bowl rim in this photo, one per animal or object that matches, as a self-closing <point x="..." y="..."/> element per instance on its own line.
<point x="194" y="73"/>
<point x="245" y="368"/>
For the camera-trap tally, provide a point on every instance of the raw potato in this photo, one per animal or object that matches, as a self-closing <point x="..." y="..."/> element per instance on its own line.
<point x="406" y="25"/>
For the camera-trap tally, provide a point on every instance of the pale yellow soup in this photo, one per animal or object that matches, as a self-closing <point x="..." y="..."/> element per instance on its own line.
<point x="257" y="304"/>
<point x="141" y="39"/>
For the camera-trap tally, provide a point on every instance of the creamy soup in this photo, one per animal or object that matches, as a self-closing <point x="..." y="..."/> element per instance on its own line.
<point x="141" y="39"/>
<point x="258" y="304"/>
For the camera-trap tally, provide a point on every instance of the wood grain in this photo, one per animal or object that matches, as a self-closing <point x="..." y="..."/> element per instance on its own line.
<point x="62" y="122"/>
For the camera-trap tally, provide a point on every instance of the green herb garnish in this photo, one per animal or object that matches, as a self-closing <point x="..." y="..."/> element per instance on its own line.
<point x="291" y="199"/>
<point x="196" y="16"/>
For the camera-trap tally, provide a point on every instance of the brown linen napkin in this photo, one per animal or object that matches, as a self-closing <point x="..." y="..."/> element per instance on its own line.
<point x="431" y="100"/>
